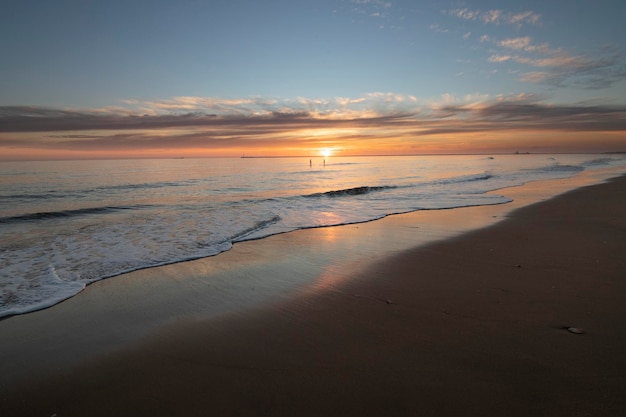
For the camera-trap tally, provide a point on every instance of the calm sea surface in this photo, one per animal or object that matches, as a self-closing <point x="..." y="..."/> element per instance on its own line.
<point x="66" y="224"/>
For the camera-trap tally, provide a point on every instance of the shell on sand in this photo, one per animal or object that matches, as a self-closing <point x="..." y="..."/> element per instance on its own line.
<point x="575" y="330"/>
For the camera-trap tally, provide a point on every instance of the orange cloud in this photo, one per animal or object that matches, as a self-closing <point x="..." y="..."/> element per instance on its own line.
<point x="379" y="123"/>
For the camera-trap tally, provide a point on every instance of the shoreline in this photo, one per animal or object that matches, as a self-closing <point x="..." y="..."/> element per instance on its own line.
<point x="320" y="329"/>
<point x="598" y="174"/>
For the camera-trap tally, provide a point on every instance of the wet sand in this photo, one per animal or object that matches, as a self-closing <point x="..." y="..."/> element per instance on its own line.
<point x="471" y="325"/>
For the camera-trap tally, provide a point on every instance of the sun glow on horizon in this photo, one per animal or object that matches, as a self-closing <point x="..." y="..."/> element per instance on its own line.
<point x="326" y="152"/>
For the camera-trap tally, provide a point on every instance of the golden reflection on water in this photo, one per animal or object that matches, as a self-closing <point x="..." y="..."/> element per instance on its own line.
<point x="328" y="217"/>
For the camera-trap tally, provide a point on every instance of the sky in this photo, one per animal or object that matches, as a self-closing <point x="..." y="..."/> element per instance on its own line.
<point x="193" y="78"/>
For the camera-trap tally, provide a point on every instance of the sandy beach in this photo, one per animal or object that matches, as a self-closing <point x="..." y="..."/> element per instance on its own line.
<point x="405" y="316"/>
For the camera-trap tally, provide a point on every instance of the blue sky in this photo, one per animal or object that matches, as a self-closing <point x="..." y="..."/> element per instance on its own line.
<point x="338" y="59"/>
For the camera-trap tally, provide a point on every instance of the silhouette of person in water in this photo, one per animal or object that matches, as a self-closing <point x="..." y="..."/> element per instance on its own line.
<point x="310" y="162"/>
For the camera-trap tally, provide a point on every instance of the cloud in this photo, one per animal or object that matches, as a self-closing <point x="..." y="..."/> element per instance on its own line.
<point x="496" y="17"/>
<point x="182" y="112"/>
<point x="491" y="16"/>
<point x="441" y="124"/>
<point x="539" y="62"/>
<point x="535" y="77"/>
<point x="383" y="120"/>
<point x="558" y="67"/>
<point x="209" y="104"/>
<point x="436" y="28"/>
<point x="517" y="114"/>
<point x="516" y="43"/>
<point x="525" y="17"/>
<point x="376" y="114"/>
<point x="378" y="3"/>
<point x="75" y="136"/>
<point x="500" y="58"/>
<point x="372" y="8"/>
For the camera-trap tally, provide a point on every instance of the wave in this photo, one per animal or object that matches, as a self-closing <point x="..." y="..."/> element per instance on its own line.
<point x="51" y="290"/>
<point x="352" y="191"/>
<point x="48" y="215"/>
<point x="565" y="168"/>
<point x="53" y="194"/>
<point x="262" y="224"/>
<point x="59" y="282"/>
<point x="556" y="168"/>
<point x="599" y="161"/>
<point x="147" y="185"/>
<point x="43" y="196"/>
<point x="464" y="178"/>
<point x="366" y="189"/>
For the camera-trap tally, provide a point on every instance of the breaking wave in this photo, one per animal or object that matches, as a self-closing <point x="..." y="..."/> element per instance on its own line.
<point x="48" y="215"/>
<point x="352" y="191"/>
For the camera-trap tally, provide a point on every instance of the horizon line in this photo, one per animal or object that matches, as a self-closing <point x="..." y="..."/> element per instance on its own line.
<point x="519" y="153"/>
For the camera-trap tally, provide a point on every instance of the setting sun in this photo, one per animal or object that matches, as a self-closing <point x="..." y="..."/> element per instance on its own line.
<point x="326" y="152"/>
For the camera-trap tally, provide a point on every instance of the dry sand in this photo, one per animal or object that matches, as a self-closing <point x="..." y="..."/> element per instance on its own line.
<point x="473" y="325"/>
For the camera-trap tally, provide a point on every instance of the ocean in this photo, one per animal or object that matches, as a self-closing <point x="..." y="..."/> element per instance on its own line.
<point x="66" y="224"/>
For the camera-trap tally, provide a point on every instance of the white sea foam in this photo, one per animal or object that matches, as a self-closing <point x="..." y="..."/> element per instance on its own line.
<point x="77" y="224"/>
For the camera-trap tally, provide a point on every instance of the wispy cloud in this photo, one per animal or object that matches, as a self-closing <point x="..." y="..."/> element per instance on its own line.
<point x="376" y="3"/>
<point x="539" y="62"/>
<point x="436" y="28"/>
<point x="516" y="43"/>
<point x="500" y="58"/>
<point x="497" y="17"/>
<point x="380" y="14"/>
<point x="558" y="67"/>
<point x="371" y="8"/>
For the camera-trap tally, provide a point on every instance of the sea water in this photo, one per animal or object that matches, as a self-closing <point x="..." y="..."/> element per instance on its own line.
<point x="65" y="224"/>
